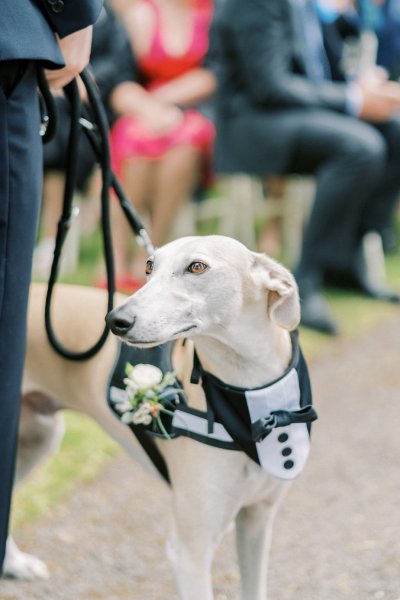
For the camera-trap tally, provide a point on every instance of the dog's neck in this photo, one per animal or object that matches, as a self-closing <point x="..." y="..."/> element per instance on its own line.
<point x="242" y="359"/>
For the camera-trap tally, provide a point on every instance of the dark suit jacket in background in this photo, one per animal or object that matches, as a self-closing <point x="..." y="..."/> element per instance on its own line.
<point x="263" y="89"/>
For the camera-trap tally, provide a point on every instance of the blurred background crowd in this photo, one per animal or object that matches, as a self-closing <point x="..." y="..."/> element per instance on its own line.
<point x="208" y="100"/>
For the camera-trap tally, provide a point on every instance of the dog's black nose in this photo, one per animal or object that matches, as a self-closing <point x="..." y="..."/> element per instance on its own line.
<point x="120" y="321"/>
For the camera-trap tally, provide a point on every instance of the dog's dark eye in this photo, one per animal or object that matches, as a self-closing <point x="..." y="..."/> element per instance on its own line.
<point x="149" y="267"/>
<point x="197" y="267"/>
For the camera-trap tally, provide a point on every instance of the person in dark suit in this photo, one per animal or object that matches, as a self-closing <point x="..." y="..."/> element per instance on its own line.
<point x="56" y="34"/>
<point x="279" y="111"/>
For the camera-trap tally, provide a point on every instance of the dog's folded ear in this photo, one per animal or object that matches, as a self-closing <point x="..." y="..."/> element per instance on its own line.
<point x="283" y="303"/>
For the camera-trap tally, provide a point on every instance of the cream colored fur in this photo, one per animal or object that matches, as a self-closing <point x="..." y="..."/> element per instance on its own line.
<point x="238" y="314"/>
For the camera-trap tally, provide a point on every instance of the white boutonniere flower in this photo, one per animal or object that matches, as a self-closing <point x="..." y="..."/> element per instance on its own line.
<point x="149" y="395"/>
<point x="142" y="376"/>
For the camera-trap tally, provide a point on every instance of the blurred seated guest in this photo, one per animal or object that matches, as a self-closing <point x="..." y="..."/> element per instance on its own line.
<point x="279" y="111"/>
<point x="110" y="46"/>
<point x="383" y="17"/>
<point x="160" y="143"/>
<point x="348" y="26"/>
<point x="344" y="19"/>
<point x="340" y="22"/>
<point x="389" y="38"/>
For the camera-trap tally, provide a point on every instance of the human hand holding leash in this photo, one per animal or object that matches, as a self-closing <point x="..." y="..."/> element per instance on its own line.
<point x="75" y="49"/>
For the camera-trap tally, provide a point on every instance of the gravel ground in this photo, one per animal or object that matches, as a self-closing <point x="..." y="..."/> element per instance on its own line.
<point x="336" y="536"/>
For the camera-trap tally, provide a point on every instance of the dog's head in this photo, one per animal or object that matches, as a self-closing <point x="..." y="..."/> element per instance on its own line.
<point x="204" y="285"/>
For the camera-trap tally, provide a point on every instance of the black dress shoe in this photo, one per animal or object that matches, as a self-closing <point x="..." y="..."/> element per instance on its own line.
<point x="315" y="314"/>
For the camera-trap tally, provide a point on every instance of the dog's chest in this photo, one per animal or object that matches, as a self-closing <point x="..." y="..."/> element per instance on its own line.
<point x="284" y="451"/>
<point x="229" y="413"/>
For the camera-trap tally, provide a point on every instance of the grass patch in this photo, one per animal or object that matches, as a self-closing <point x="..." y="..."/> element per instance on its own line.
<point x="91" y="248"/>
<point x="84" y="452"/>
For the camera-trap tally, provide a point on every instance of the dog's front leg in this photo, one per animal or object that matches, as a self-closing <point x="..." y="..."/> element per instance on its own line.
<point x="254" y="525"/>
<point x="191" y="561"/>
<point x="206" y="496"/>
<point x="191" y="546"/>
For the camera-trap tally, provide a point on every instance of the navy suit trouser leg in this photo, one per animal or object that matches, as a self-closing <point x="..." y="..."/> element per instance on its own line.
<point x="20" y="190"/>
<point x="349" y="158"/>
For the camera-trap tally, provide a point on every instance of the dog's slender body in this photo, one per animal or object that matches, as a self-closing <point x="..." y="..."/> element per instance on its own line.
<point x="238" y="308"/>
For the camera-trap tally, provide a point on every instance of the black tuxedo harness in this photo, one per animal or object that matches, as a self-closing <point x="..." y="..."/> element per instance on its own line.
<point x="270" y="424"/>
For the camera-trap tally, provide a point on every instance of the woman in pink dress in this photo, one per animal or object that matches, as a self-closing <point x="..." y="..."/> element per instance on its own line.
<point x="160" y="144"/>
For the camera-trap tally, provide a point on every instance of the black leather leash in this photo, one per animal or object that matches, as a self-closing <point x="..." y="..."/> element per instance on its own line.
<point x="96" y="129"/>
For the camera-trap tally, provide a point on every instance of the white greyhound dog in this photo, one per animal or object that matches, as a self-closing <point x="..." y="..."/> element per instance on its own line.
<point x="238" y="309"/>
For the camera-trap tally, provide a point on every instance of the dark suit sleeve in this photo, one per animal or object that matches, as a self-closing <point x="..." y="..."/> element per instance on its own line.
<point x="68" y="16"/>
<point x="260" y="37"/>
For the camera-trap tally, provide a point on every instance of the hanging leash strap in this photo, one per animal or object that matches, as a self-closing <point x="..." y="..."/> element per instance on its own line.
<point x="102" y="153"/>
<point x="48" y="111"/>
<point x="97" y="131"/>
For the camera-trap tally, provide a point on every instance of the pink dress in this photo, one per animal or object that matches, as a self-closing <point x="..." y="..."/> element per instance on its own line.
<point x="129" y="136"/>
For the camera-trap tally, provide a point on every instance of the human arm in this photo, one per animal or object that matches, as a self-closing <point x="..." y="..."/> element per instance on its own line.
<point x="259" y="42"/>
<point x="75" y="49"/>
<point x="67" y="16"/>
<point x="71" y="21"/>
<point x="380" y="100"/>
<point x="189" y="89"/>
<point x="130" y="98"/>
<point x="120" y="88"/>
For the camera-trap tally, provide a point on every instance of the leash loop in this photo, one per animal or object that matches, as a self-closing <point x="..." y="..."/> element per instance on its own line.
<point x="97" y="133"/>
